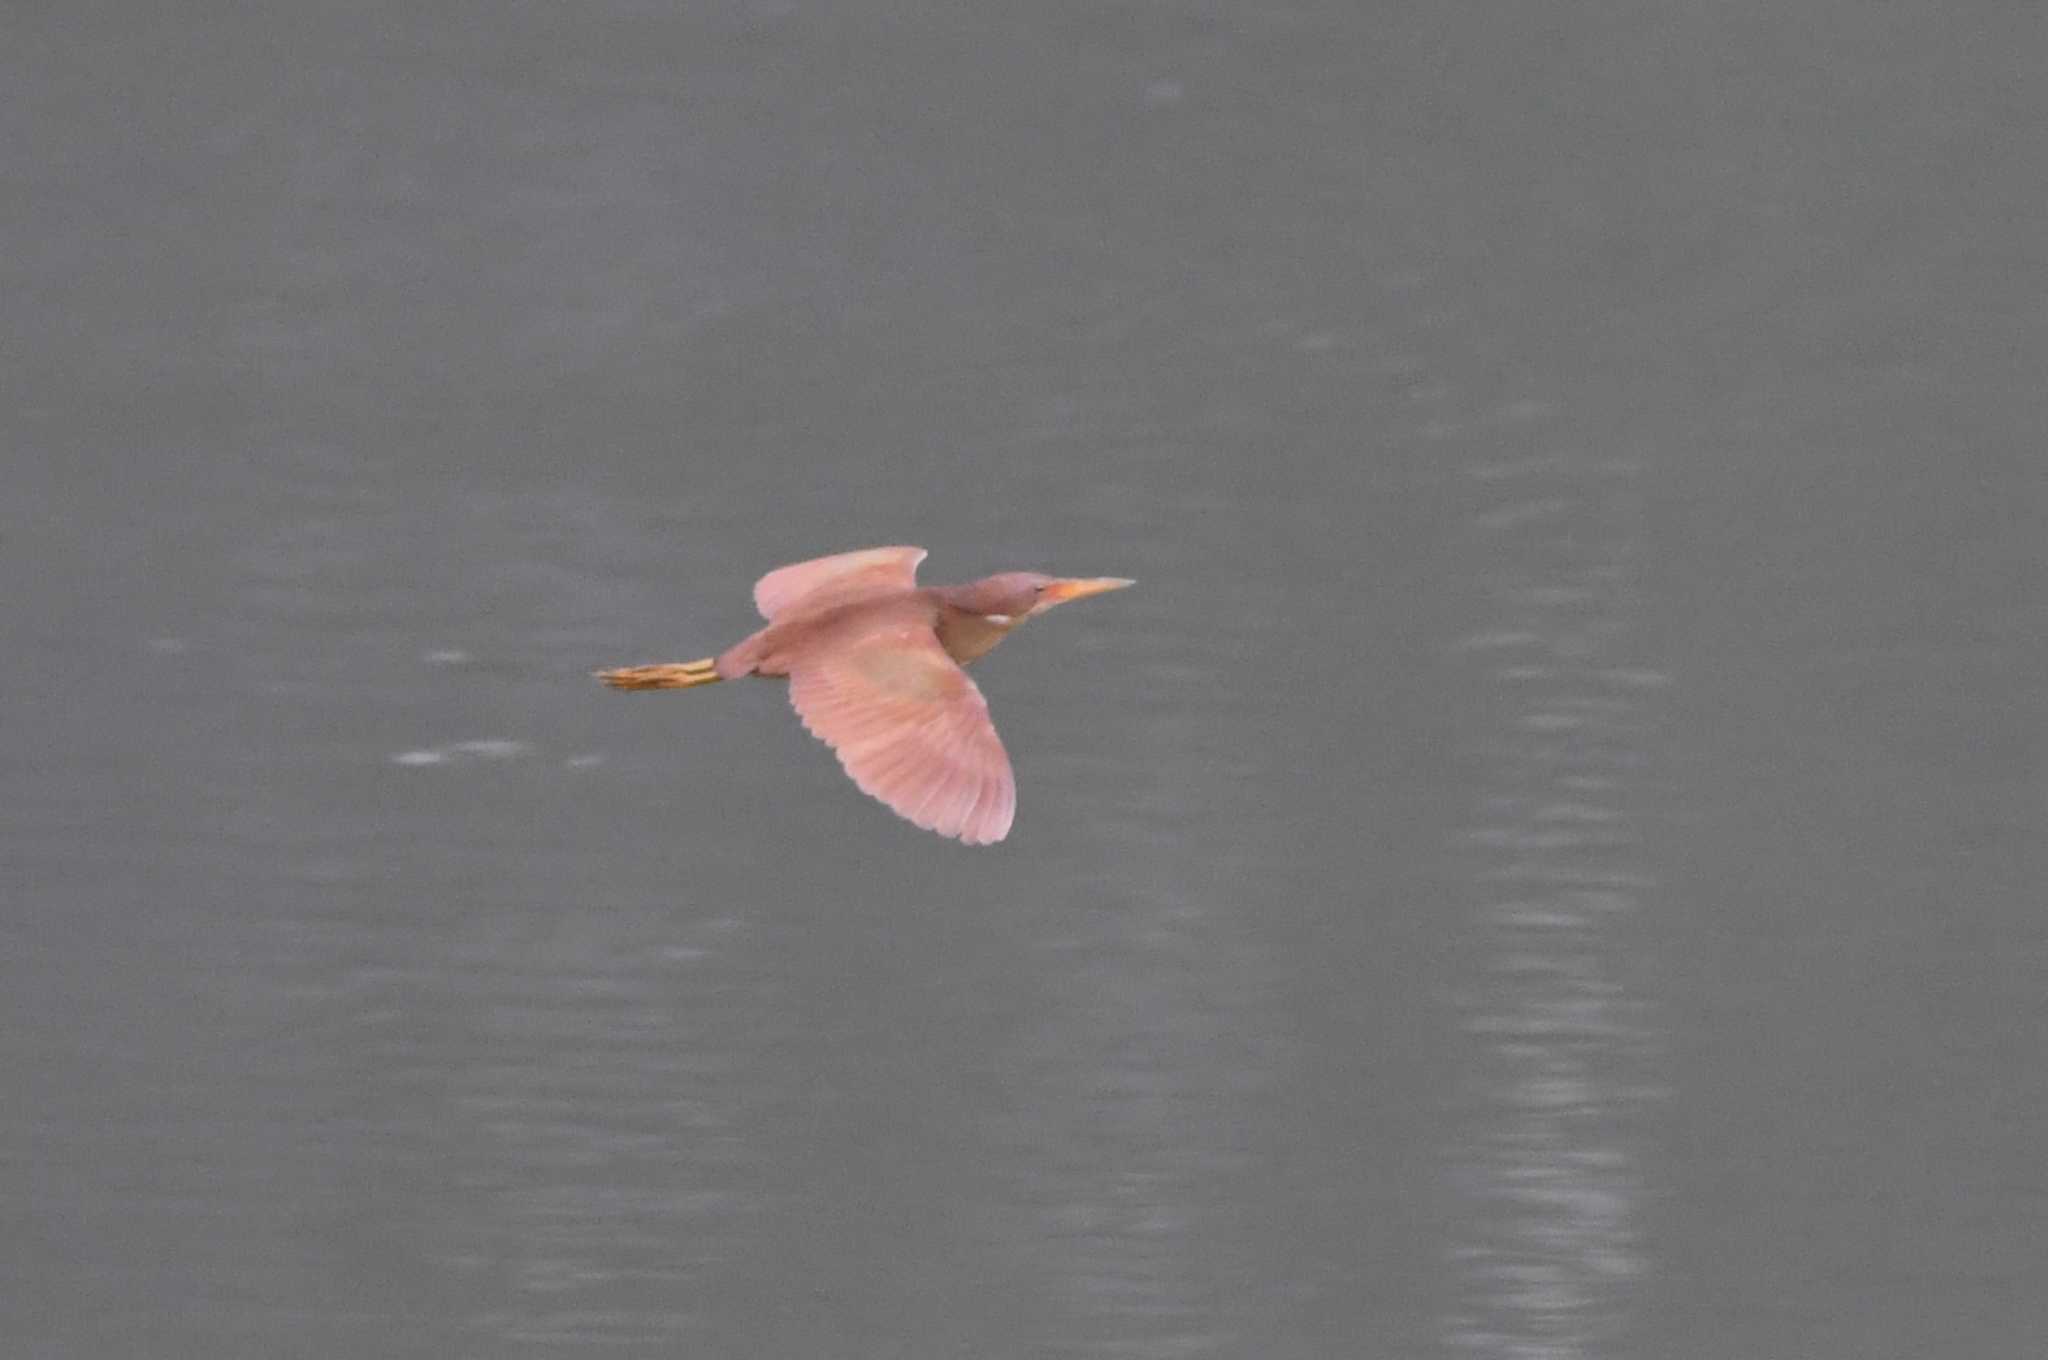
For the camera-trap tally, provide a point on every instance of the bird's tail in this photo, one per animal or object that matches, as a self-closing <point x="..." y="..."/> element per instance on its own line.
<point x="663" y="675"/>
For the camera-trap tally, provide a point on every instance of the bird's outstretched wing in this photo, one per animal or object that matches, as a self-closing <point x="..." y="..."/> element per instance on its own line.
<point x="909" y="726"/>
<point x="837" y="579"/>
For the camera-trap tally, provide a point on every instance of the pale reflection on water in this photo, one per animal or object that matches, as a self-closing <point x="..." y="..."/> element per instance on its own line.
<point x="1560" y="1050"/>
<point x="610" y="1090"/>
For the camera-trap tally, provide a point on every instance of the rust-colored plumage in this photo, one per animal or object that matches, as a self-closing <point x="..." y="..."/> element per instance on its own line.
<point x="874" y="667"/>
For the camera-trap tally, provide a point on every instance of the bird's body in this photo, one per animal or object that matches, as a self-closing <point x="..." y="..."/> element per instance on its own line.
<point x="874" y="666"/>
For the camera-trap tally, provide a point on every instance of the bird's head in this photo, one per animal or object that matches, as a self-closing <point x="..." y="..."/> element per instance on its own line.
<point x="1012" y="596"/>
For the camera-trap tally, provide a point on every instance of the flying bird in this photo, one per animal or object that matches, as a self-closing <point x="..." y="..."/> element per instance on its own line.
<point x="874" y="663"/>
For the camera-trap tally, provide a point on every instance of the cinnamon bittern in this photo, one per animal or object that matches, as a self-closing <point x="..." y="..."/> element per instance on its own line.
<point x="874" y="666"/>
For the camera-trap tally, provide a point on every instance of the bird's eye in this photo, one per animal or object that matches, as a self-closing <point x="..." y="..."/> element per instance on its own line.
<point x="1038" y="589"/>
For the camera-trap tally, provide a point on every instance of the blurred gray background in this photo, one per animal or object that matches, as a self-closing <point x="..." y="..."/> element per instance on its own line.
<point x="1548" y="863"/>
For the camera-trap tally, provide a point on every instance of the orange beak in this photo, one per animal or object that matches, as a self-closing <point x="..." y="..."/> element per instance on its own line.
<point x="1059" y="592"/>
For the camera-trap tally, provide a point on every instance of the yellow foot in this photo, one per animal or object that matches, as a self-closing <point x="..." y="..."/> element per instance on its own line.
<point x="664" y="675"/>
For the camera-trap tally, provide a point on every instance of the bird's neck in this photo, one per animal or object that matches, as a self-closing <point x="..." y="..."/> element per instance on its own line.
<point x="966" y="636"/>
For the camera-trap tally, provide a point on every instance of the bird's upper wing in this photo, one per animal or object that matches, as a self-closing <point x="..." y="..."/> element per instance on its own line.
<point x="837" y="579"/>
<point x="907" y="723"/>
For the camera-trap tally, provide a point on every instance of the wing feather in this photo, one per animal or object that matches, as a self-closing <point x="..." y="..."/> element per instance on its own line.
<point x="837" y="579"/>
<point x="909" y="726"/>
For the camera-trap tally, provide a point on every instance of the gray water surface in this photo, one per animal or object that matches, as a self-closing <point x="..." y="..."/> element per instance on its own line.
<point x="1548" y="863"/>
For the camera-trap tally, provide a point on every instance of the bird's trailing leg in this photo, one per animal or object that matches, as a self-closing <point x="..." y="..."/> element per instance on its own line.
<point x="663" y="675"/>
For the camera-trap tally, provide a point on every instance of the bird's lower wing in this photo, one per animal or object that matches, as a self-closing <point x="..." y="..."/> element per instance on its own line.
<point x="837" y="579"/>
<point x="909" y="726"/>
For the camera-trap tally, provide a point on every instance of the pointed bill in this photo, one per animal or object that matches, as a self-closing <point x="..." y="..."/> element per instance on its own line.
<point x="1080" y="588"/>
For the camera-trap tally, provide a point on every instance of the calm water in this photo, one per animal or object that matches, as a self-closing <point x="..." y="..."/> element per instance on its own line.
<point x="1547" y="864"/>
